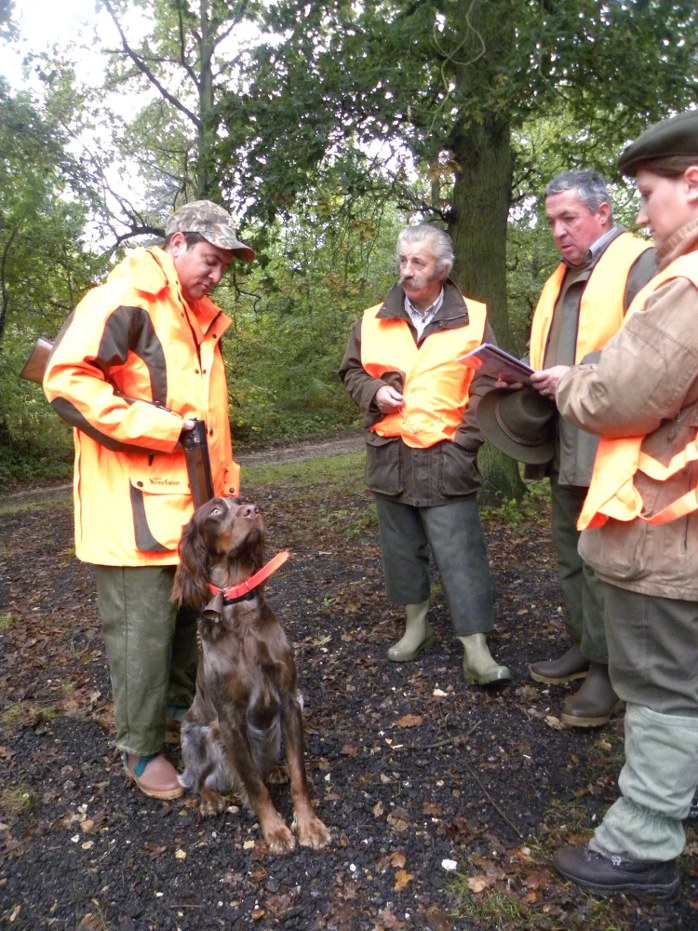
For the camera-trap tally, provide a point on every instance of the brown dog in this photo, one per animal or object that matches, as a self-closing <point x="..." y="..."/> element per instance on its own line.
<point x="247" y="701"/>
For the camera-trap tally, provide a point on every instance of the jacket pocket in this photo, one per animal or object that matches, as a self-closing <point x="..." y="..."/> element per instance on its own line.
<point x="160" y="501"/>
<point x="384" y="468"/>
<point x="460" y="474"/>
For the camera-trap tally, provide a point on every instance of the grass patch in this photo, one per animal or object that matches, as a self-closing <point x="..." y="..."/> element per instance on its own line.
<point x="15" y="799"/>
<point x="345" y="472"/>
<point x="7" y="622"/>
<point x="534" y="507"/>
<point x="28" y="714"/>
<point x="494" y="909"/>
<point x="43" y="501"/>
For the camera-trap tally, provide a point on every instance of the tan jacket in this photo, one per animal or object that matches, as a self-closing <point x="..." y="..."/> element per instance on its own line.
<point x="136" y="336"/>
<point x="647" y="384"/>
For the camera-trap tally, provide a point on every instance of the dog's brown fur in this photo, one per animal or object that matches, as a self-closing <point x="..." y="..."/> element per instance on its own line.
<point x="247" y="702"/>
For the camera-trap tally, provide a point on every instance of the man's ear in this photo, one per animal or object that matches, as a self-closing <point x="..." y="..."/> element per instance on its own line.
<point x="604" y="212"/>
<point x="177" y="241"/>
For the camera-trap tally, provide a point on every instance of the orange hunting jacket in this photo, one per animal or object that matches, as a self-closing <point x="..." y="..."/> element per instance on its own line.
<point x="136" y="336"/>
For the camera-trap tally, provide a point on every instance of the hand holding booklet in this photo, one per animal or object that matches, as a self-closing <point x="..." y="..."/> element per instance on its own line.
<point x="499" y="364"/>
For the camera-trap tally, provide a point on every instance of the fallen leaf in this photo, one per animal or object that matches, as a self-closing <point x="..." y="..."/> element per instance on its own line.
<point x="410" y="720"/>
<point x="478" y="884"/>
<point x="402" y="879"/>
<point x="432" y="810"/>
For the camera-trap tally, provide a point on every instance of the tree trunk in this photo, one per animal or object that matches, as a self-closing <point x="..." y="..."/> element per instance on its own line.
<point x="478" y="229"/>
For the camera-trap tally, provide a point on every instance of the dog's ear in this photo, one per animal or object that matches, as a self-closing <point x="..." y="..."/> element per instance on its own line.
<point x="191" y="578"/>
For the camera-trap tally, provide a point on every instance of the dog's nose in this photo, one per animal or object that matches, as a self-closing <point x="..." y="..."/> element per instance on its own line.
<point x="249" y="511"/>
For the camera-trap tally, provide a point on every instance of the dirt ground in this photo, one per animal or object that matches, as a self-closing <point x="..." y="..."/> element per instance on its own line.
<point x="446" y="802"/>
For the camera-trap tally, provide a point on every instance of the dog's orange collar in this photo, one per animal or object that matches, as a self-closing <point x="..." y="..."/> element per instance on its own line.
<point x="244" y="588"/>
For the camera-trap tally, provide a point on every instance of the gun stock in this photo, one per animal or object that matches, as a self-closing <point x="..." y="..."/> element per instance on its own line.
<point x="35" y="366"/>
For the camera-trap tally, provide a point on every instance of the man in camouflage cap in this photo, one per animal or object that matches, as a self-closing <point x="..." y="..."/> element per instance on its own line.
<point x="149" y="332"/>
<point x="213" y="223"/>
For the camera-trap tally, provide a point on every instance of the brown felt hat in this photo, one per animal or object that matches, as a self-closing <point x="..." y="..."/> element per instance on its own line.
<point x="519" y="422"/>
<point x="676" y="135"/>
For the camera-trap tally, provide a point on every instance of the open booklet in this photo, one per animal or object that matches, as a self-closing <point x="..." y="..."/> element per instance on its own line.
<point x="499" y="364"/>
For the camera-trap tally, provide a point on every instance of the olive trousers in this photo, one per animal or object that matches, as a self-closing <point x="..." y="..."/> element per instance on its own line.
<point x="582" y="590"/>
<point x="152" y="651"/>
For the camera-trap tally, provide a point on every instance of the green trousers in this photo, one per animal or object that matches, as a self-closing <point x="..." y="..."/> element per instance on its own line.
<point x="581" y="588"/>
<point x="152" y="651"/>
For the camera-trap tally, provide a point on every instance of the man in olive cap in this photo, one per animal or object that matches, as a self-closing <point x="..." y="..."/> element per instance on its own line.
<point x="639" y="526"/>
<point x="135" y="365"/>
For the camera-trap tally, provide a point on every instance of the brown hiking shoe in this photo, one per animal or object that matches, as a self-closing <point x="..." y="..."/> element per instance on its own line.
<point x="154" y="775"/>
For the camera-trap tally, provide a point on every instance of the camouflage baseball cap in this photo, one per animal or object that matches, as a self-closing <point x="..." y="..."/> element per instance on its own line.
<point x="213" y="222"/>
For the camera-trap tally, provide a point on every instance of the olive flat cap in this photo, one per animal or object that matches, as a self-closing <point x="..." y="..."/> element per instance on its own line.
<point x="676" y="135"/>
<point x="213" y="222"/>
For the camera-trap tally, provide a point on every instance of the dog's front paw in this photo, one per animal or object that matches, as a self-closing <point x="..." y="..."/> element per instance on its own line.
<point x="313" y="833"/>
<point x="212" y="803"/>
<point x="280" y="839"/>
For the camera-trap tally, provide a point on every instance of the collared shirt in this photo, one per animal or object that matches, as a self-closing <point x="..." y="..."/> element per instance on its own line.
<point x="422" y="318"/>
<point x="596" y="248"/>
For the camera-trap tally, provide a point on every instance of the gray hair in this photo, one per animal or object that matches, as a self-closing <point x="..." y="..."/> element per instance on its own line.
<point x="439" y="243"/>
<point x="587" y="184"/>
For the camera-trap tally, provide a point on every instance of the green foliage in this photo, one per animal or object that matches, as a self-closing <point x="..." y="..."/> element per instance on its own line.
<point x="532" y="506"/>
<point x="331" y="258"/>
<point x="328" y="125"/>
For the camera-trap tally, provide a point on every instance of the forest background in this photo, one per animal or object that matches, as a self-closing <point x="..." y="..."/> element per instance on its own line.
<point x="324" y="127"/>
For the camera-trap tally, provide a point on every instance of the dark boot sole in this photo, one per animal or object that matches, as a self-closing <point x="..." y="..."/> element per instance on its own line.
<point x="572" y="720"/>
<point x="658" y="893"/>
<point x="557" y="680"/>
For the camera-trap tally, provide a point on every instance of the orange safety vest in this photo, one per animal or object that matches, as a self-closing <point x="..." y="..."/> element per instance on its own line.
<point x="612" y="492"/>
<point x="602" y="308"/>
<point x="435" y="385"/>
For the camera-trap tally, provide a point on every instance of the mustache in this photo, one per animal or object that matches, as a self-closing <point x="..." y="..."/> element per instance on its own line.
<point x="418" y="281"/>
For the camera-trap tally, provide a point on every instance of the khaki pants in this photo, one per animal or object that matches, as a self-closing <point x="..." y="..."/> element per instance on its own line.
<point x="151" y="648"/>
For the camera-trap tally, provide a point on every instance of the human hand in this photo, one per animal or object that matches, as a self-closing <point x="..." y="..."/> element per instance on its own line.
<point x="514" y="385"/>
<point x="187" y="427"/>
<point x="388" y="399"/>
<point x="546" y="381"/>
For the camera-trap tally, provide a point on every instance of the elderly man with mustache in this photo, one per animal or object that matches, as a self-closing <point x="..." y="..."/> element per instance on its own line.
<point x="422" y="437"/>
